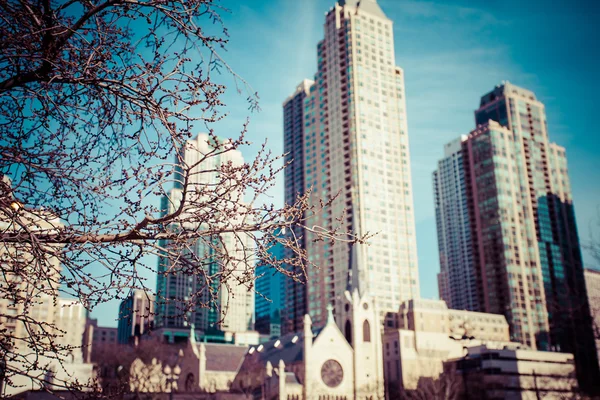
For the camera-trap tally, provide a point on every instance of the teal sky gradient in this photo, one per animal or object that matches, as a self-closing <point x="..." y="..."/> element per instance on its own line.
<point x="452" y="52"/>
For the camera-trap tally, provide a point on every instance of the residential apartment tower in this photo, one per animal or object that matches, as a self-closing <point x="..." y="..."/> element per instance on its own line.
<point x="355" y="148"/>
<point x="456" y="281"/>
<point x="525" y="247"/>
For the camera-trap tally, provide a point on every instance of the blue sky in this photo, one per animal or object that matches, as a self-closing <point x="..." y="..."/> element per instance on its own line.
<point x="452" y="52"/>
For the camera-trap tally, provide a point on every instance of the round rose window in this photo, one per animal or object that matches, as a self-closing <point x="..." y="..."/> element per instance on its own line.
<point x="332" y="373"/>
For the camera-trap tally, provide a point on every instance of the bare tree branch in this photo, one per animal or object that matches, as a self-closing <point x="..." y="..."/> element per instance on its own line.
<point x="99" y="104"/>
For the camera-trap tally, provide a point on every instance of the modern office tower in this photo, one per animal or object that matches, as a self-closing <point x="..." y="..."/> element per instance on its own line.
<point x="525" y="243"/>
<point x="293" y="134"/>
<point x="456" y="280"/>
<point x="270" y="296"/>
<point x="231" y="309"/>
<point x="356" y="148"/>
<point x="592" y="284"/>
<point x="136" y="316"/>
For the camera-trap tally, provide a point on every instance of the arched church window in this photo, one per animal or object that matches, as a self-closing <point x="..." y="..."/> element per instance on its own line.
<point x="348" y="331"/>
<point x="366" y="331"/>
<point x="189" y="382"/>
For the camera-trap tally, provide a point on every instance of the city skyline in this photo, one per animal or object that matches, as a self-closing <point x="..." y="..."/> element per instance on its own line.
<point x="448" y="64"/>
<point x="300" y="199"/>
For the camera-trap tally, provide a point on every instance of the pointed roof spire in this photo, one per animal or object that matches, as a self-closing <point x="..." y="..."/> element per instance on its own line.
<point x="330" y="318"/>
<point x="192" y="340"/>
<point x="307" y="320"/>
<point x="269" y="368"/>
<point x="193" y="333"/>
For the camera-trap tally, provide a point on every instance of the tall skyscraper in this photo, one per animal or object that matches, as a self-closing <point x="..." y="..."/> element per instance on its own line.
<point x="507" y="259"/>
<point x="525" y="245"/>
<point x="355" y="147"/>
<point x="456" y="281"/>
<point x="293" y="135"/>
<point x="231" y="307"/>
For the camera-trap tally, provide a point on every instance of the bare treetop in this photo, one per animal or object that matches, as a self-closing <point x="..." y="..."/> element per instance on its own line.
<point x="99" y="103"/>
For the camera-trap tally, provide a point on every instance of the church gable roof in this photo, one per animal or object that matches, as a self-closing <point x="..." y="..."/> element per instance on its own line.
<point x="224" y="357"/>
<point x="290" y="347"/>
<point x="331" y="331"/>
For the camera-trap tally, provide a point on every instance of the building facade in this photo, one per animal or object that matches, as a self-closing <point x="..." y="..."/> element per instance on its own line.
<point x="424" y="333"/>
<point x="425" y="315"/>
<point x="592" y="284"/>
<point x="221" y="306"/>
<point x="41" y="333"/>
<point x="508" y="264"/>
<point x="355" y="149"/>
<point x="70" y="318"/>
<point x="512" y="373"/>
<point x="270" y="297"/>
<point x="525" y="246"/>
<point x="30" y="284"/>
<point x="456" y="281"/>
<point x="104" y="335"/>
<point x="98" y="340"/>
<point x="293" y="136"/>
<point x="192" y="368"/>
<point x="136" y="316"/>
<point x="320" y="362"/>
<point x="539" y="249"/>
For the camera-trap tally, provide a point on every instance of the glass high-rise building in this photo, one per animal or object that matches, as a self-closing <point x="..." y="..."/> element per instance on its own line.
<point x="355" y="147"/>
<point x="270" y="296"/>
<point x="504" y="244"/>
<point x="525" y="246"/>
<point x="184" y="296"/>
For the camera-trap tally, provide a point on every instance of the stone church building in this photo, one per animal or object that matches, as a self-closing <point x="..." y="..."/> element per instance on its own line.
<point x="328" y="363"/>
<point x="325" y="363"/>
